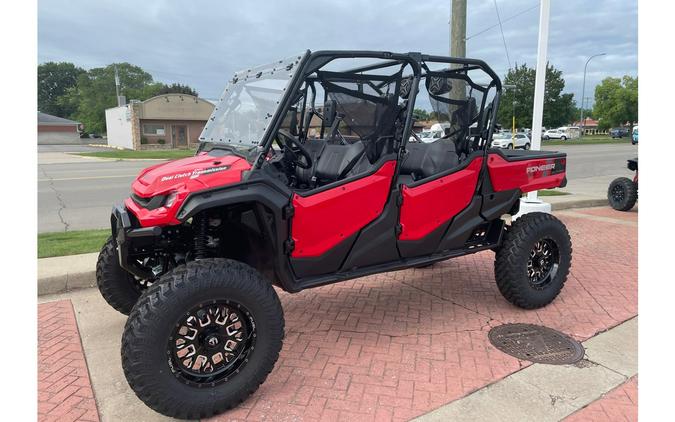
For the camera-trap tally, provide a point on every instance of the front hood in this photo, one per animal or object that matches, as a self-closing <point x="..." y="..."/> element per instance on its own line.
<point x="190" y="174"/>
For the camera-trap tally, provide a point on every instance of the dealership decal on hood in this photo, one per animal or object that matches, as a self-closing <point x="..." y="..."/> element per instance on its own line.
<point x="194" y="174"/>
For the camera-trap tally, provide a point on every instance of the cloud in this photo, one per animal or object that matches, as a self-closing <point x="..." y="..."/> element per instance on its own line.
<point x="202" y="43"/>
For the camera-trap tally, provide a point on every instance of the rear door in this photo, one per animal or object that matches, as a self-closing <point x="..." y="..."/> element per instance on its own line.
<point x="429" y="205"/>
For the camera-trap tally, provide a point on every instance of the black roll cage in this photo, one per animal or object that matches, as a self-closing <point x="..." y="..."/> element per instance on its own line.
<point x="313" y="61"/>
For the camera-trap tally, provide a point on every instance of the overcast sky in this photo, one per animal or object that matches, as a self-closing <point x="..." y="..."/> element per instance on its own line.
<point x="202" y="42"/>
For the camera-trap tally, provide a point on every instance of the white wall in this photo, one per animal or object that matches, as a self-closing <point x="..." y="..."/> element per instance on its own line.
<point x="118" y="127"/>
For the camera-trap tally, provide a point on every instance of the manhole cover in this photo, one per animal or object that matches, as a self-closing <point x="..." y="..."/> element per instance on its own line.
<point x="536" y="343"/>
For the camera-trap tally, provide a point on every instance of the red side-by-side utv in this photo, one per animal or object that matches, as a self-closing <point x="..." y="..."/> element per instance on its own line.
<point x="309" y="172"/>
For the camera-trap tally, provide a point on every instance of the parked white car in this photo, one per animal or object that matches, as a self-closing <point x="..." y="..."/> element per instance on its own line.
<point x="433" y="134"/>
<point x="510" y="141"/>
<point x="555" y="134"/>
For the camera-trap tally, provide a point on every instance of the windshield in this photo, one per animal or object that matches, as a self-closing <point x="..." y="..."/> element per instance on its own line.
<point x="249" y="103"/>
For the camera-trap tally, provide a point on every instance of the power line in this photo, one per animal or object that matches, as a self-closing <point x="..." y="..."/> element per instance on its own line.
<point x="501" y="28"/>
<point x="505" y="20"/>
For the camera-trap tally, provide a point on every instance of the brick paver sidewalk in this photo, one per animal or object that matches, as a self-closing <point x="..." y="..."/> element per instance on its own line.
<point x="619" y="405"/>
<point x="398" y="345"/>
<point x="64" y="388"/>
<point x="390" y="346"/>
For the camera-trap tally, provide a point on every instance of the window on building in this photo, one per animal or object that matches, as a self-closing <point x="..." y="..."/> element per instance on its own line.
<point x="153" y="129"/>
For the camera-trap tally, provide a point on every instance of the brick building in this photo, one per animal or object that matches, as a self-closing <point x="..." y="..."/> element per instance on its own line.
<point x="57" y="130"/>
<point x="161" y="122"/>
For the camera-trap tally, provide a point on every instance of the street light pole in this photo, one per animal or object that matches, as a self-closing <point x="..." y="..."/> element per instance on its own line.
<point x="583" y="92"/>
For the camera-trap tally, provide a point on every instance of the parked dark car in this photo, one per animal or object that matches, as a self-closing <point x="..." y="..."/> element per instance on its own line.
<point x="618" y="132"/>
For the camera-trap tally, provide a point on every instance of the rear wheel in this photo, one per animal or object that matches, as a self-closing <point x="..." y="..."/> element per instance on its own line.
<point x="117" y="286"/>
<point x="622" y="194"/>
<point x="532" y="264"/>
<point x="563" y="138"/>
<point x="203" y="338"/>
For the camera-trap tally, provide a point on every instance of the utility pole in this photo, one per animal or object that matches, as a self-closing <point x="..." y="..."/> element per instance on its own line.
<point x="458" y="29"/>
<point x="457" y="49"/>
<point x="532" y="203"/>
<point x="117" y="88"/>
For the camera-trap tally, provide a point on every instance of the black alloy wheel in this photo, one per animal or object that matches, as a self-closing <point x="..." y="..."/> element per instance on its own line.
<point x="542" y="267"/>
<point x="211" y="343"/>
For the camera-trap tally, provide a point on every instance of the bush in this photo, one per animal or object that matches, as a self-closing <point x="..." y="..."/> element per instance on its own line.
<point x="161" y="141"/>
<point x="144" y="140"/>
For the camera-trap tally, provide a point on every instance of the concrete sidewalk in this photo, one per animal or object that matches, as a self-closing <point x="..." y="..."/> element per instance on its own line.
<point x="406" y="344"/>
<point x="550" y="392"/>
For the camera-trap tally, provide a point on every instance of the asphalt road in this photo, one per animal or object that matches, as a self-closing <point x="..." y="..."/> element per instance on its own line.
<point x="76" y="193"/>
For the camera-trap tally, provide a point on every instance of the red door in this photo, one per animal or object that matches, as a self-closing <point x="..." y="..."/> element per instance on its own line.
<point x="324" y="219"/>
<point x="429" y="205"/>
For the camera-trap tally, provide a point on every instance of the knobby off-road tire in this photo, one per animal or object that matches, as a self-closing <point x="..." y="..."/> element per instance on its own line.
<point x="117" y="286"/>
<point x="524" y="274"/>
<point x="158" y="323"/>
<point x="622" y="194"/>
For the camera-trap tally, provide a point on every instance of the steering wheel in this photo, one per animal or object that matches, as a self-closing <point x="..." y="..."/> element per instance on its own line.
<point x="295" y="149"/>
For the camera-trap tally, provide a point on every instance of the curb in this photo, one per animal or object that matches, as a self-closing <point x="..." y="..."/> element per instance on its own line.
<point x="66" y="273"/>
<point x="579" y="203"/>
<point x="66" y="283"/>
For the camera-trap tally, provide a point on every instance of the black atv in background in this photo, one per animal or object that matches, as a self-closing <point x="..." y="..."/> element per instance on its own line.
<point x="623" y="192"/>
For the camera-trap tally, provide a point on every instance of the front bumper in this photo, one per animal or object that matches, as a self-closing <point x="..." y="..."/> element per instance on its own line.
<point x="126" y="232"/>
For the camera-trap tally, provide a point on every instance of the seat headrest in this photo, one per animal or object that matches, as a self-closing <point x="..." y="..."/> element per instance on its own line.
<point x="438" y="85"/>
<point x="406" y="84"/>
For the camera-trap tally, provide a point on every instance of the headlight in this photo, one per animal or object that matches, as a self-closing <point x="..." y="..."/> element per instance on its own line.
<point x="170" y="199"/>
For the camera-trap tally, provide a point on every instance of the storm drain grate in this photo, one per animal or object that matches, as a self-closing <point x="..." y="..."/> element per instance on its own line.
<point x="536" y="344"/>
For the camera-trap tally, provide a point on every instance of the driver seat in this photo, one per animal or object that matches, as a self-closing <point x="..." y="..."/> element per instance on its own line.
<point x="331" y="162"/>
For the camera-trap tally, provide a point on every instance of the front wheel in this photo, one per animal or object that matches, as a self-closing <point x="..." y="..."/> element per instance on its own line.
<point x="511" y="146"/>
<point x="117" y="286"/>
<point x="527" y="146"/>
<point x="203" y="338"/>
<point x="622" y="194"/>
<point x="532" y="264"/>
<point x="546" y="138"/>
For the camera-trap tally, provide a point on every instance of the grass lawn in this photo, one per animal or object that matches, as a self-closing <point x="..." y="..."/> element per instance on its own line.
<point x="552" y="192"/>
<point x="587" y="140"/>
<point x="71" y="243"/>
<point x="127" y="153"/>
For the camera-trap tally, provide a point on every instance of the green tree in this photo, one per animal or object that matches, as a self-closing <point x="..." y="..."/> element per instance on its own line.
<point x="53" y="80"/>
<point x="616" y="102"/>
<point x="176" y="88"/>
<point x="558" y="107"/>
<point x="420" y="114"/>
<point x="95" y="92"/>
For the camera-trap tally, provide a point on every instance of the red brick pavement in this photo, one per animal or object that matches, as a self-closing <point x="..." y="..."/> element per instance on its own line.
<point x="611" y="213"/>
<point x="397" y="345"/>
<point x="620" y="404"/>
<point x="64" y="388"/>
